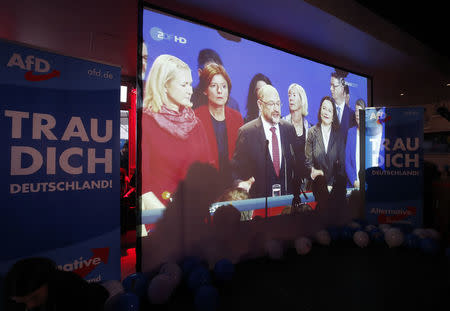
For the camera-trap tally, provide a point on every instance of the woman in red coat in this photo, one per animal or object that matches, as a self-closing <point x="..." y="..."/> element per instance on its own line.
<point x="221" y="122"/>
<point x="173" y="138"/>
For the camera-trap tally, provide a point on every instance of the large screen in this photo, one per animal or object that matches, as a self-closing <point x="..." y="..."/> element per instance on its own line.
<point x="226" y="119"/>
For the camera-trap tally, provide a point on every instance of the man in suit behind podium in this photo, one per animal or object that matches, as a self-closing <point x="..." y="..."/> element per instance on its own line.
<point x="264" y="153"/>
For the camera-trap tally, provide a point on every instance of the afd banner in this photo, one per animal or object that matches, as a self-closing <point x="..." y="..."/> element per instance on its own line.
<point x="394" y="165"/>
<point x="60" y="185"/>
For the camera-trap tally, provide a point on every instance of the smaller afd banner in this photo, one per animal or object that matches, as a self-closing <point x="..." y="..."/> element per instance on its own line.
<point x="394" y="165"/>
<point x="60" y="185"/>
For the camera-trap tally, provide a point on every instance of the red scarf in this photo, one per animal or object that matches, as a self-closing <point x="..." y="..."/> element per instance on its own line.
<point x="179" y="124"/>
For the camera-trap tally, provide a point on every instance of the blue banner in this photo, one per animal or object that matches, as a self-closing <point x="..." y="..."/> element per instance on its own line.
<point x="394" y="165"/>
<point x="60" y="143"/>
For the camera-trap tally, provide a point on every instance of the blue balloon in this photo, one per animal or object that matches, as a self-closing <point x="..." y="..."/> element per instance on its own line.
<point x="135" y="283"/>
<point x="189" y="264"/>
<point x="2" y="290"/>
<point x="123" y="302"/>
<point x="206" y="298"/>
<point x="405" y="228"/>
<point x="334" y="233"/>
<point x="361" y="222"/>
<point x="376" y="235"/>
<point x="199" y="277"/>
<point x="447" y="252"/>
<point x="429" y="245"/>
<point x="347" y="233"/>
<point x="411" y="240"/>
<point x="224" y="270"/>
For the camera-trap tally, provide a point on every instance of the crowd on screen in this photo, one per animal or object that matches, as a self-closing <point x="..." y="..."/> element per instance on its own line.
<point x="182" y="124"/>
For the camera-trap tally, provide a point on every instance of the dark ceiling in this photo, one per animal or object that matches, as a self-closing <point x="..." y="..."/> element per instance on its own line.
<point x="425" y="22"/>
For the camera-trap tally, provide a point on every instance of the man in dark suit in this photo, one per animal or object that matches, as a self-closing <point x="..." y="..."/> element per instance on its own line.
<point x="265" y="150"/>
<point x="341" y="95"/>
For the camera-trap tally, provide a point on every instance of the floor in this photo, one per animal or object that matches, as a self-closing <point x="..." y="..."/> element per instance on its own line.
<point x="339" y="277"/>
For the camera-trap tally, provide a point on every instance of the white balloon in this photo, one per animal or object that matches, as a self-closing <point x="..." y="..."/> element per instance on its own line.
<point x="160" y="289"/>
<point x="394" y="237"/>
<point x="303" y="245"/>
<point x="384" y="227"/>
<point x="355" y="225"/>
<point x="113" y="287"/>
<point x="173" y="271"/>
<point x="420" y="232"/>
<point x="432" y="233"/>
<point x="361" y="238"/>
<point x="369" y="228"/>
<point x="323" y="237"/>
<point x="274" y="249"/>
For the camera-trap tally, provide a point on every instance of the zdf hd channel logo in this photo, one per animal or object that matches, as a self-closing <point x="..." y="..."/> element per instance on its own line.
<point x="158" y="35"/>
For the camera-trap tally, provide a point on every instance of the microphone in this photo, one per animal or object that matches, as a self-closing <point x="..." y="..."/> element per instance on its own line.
<point x="293" y="155"/>
<point x="265" y="173"/>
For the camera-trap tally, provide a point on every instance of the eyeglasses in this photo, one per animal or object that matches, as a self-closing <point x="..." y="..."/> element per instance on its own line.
<point x="271" y="104"/>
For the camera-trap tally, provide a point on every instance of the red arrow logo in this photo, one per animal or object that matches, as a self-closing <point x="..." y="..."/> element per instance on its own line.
<point x="30" y="76"/>
<point x="385" y="219"/>
<point x="87" y="266"/>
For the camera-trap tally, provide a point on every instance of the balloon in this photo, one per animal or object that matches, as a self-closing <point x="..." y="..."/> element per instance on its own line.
<point x="135" y="283"/>
<point x="123" y="302"/>
<point x="173" y="271"/>
<point x="394" y="237"/>
<point x="199" y="276"/>
<point x="411" y="240"/>
<point x="420" y="232"/>
<point x="447" y="252"/>
<point x="189" y="264"/>
<point x="303" y="245"/>
<point x="384" y="227"/>
<point x="354" y="225"/>
<point x="160" y="289"/>
<point x="113" y="287"/>
<point x="206" y="298"/>
<point x="347" y="233"/>
<point x="405" y="228"/>
<point x="432" y="233"/>
<point x="274" y="249"/>
<point x="224" y="270"/>
<point x="429" y="245"/>
<point x="369" y="228"/>
<point x="323" y="237"/>
<point x="334" y="233"/>
<point x="376" y="235"/>
<point x="362" y="222"/>
<point x="361" y="238"/>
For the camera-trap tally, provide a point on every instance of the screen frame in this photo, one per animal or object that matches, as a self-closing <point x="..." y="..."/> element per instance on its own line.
<point x="145" y="5"/>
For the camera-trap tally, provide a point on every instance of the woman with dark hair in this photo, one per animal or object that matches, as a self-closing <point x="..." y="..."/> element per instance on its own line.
<point x="221" y="122"/>
<point x="258" y="81"/>
<point x="324" y="145"/>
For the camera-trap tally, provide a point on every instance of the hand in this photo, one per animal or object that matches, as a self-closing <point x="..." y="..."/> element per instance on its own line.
<point x="246" y="184"/>
<point x="315" y="173"/>
<point x="356" y="184"/>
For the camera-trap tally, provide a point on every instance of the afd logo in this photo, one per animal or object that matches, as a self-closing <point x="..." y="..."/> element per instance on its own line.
<point x="158" y="35"/>
<point x="380" y="116"/>
<point x="83" y="267"/>
<point x="38" y="69"/>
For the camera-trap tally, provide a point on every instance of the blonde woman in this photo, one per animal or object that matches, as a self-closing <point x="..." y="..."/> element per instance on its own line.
<point x="173" y="138"/>
<point x="298" y="108"/>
